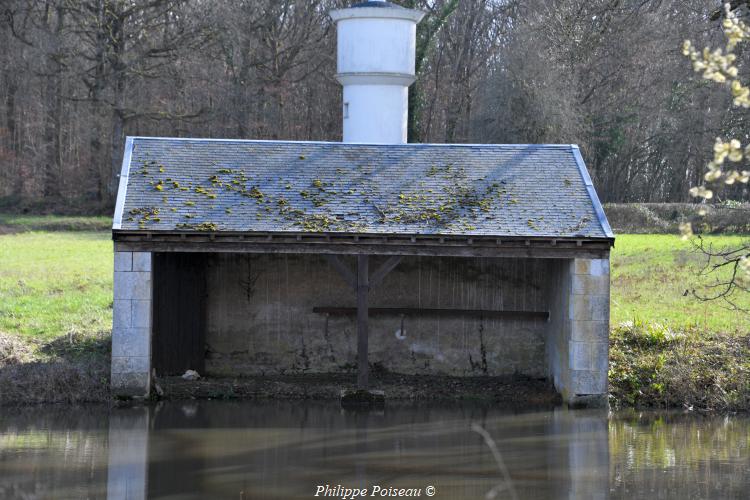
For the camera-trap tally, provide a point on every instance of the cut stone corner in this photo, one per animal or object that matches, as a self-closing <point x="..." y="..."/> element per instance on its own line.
<point x="131" y="385"/>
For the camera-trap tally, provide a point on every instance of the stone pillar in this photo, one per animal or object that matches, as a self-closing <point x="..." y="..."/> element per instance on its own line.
<point x="578" y="336"/>
<point x="127" y="471"/>
<point x="131" y="325"/>
<point x="589" y="331"/>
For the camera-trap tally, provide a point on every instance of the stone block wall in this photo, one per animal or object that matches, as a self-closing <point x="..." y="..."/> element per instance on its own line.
<point x="578" y="333"/>
<point x="131" y="324"/>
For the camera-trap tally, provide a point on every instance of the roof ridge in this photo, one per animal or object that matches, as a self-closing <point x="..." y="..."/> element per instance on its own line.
<point x="410" y="144"/>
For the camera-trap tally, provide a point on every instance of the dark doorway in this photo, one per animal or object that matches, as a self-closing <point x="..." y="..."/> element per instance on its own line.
<point x="179" y="333"/>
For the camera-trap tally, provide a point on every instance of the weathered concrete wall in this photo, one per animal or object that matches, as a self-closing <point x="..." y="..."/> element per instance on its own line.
<point x="261" y="320"/>
<point x="131" y="324"/>
<point x="578" y="331"/>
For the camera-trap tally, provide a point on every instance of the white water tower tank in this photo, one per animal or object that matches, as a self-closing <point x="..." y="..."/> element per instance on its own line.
<point x="376" y="53"/>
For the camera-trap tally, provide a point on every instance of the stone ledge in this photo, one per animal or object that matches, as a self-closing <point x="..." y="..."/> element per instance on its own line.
<point x="141" y="313"/>
<point x="142" y="261"/>
<point x="588" y="382"/>
<point x="599" y="267"/>
<point x="131" y="385"/>
<point x="581" y="266"/>
<point x="592" y="267"/>
<point x="122" y="314"/>
<point x="131" y="364"/>
<point x="132" y="285"/>
<point x="131" y="343"/>
<point x="123" y="261"/>
<point x="584" y="284"/>
<point x="589" y="356"/>
<point x="589" y="330"/>
<point x="589" y="307"/>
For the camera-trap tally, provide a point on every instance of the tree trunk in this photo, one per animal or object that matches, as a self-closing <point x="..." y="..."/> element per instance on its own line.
<point x="53" y="115"/>
<point x="10" y="114"/>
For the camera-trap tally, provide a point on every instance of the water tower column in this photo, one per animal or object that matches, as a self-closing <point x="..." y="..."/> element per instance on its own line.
<point x="376" y="65"/>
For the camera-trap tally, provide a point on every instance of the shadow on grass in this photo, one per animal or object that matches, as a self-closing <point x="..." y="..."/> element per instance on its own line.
<point x="78" y="347"/>
<point x="69" y="369"/>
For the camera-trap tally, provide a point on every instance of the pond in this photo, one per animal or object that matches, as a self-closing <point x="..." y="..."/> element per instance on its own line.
<point x="289" y="450"/>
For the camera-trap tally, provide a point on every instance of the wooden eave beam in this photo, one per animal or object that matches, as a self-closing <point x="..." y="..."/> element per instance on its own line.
<point x="359" y="244"/>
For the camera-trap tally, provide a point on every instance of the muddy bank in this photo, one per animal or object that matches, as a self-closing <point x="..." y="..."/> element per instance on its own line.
<point x="76" y="370"/>
<point x="505" y="390"/>
<point x="69" y="369"/>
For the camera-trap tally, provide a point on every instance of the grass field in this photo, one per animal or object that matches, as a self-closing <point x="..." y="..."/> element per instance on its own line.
<point x="667" y="347"/>
<point x="650" y="277"/>
<point x="54" y="284"/>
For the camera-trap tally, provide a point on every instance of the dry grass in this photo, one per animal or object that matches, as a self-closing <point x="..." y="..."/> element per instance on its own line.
<point x="14" y="350"/>
<point x="69" y="369"/>
<point x="654" y="366"/>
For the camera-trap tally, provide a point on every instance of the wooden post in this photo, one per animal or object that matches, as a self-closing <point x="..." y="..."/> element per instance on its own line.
<point x="363" y="290"/>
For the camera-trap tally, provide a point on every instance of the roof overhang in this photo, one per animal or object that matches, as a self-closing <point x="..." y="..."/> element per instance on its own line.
<point x="356" y="244"/>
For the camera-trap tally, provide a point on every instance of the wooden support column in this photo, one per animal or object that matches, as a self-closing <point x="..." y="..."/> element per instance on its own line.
<point x="362" y="284"/>
<point x="363" y="291"/>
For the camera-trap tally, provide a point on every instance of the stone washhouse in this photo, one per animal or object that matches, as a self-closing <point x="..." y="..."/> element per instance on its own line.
<point x="245" y="257"/>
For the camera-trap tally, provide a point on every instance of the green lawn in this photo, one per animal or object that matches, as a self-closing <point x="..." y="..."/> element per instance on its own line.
<point x="650" y="275"/>
<point x="53" y="284"/>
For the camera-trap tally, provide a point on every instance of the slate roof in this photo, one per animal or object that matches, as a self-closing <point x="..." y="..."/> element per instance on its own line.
<point x="297" y="187"/>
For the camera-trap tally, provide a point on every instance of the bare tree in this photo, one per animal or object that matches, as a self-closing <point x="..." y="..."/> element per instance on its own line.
<point x="122" y="43"/>
<point x="76" y="76"/>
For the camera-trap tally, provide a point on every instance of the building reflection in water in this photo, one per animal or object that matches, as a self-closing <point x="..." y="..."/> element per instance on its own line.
<point x="128" y="443"/>
<point x="284" y="450"/>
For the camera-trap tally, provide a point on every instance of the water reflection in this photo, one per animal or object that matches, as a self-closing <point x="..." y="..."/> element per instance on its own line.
<point x="286" y="450"/>
<point x="127" y="466"/>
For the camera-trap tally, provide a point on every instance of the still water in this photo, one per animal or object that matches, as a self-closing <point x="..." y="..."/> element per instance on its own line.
<point x="287" y="450"/>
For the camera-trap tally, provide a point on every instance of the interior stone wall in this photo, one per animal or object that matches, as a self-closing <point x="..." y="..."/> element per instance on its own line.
<point x="261" y="319"/>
